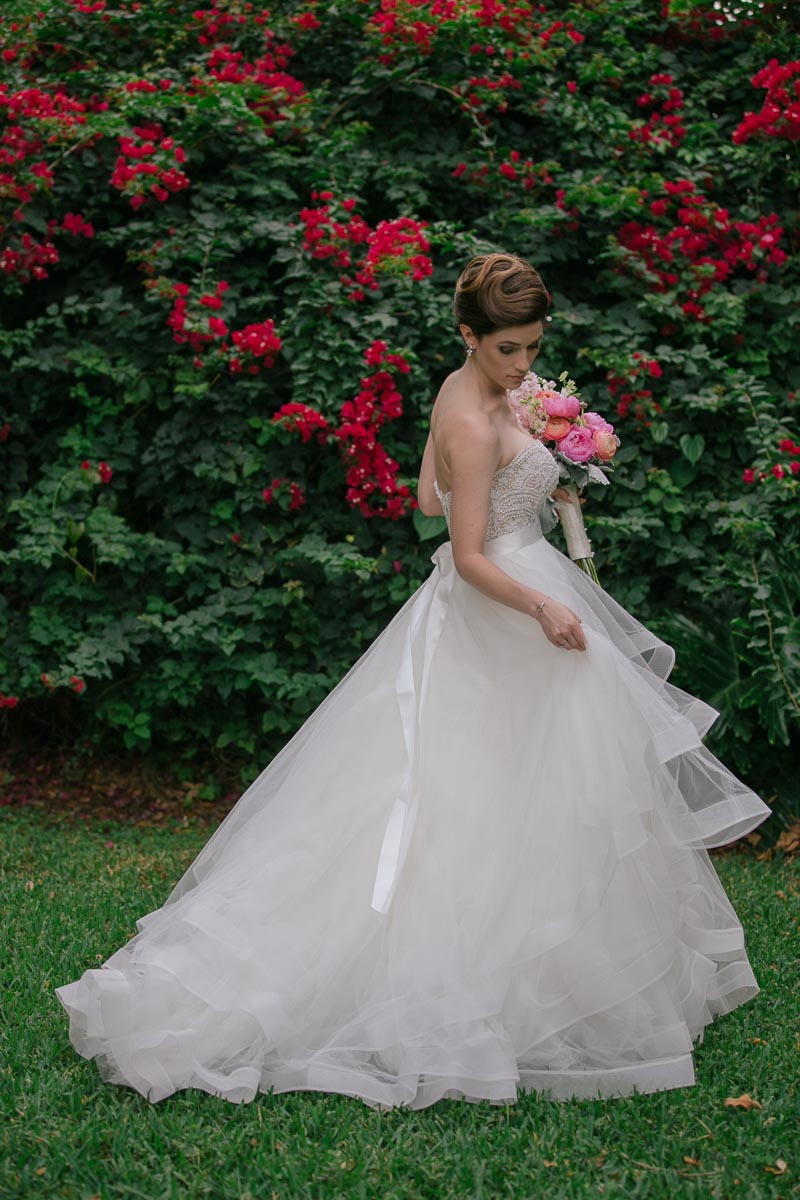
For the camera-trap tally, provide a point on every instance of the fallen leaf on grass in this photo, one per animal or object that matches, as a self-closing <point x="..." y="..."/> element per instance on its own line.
<point x="779" y="1168"/>
<point x="693" y="1162"/>
<point x="743" y="1101"/>
<point x="789" y="840"/>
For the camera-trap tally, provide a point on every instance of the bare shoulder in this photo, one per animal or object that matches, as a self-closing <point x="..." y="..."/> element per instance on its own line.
<point x="457" y="422"/>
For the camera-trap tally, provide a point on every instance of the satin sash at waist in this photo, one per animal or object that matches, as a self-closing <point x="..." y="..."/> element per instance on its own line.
<point x="411" y="685"/>
<point x="515" y="540"/>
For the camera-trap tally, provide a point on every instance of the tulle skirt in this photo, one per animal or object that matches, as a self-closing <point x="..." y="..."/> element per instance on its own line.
<point x="479" y="867"/>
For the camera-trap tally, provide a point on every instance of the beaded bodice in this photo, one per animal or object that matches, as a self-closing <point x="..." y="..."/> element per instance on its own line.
<point x="519" y="490"/>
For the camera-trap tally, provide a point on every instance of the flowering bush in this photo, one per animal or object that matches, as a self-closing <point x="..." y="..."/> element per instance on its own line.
<point x="228" y="242"/>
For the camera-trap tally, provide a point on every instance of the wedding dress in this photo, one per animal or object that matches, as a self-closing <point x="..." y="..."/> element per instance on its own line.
<point x="479" y="867"/>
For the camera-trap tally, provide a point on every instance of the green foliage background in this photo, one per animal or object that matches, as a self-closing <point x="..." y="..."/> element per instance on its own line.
<point x="187" y="640"/>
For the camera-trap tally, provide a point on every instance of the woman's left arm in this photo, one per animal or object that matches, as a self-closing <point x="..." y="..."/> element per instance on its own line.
<point x="427" y="499"/>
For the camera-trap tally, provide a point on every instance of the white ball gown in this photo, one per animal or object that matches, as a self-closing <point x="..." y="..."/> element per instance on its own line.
<point x="479" y="867"/>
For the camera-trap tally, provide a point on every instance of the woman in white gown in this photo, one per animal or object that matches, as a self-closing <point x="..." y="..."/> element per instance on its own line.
<point x="480" y="866"/>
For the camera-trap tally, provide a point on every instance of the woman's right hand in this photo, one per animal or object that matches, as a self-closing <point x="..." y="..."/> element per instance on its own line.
<point x="561" y="625"/>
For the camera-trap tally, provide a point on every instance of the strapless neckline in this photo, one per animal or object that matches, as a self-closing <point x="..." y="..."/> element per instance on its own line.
<point x="499" y="470"/>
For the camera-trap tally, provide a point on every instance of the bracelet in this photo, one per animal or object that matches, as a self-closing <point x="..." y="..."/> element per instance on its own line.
<point x="539" y="608"/>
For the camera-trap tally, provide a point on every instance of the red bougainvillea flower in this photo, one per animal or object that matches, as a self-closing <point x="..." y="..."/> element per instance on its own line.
<point x="302" y="419"/>
<point x="663" y="124"/>
<point x="76" y="223"/>
<point x="144" y="167"/>
<point x="417" y="27"/>
<point x="700" y="247"/>
<point x="8" y="701"/>
<point x="105" y="471"/>
<point x="398" y="246"/>
<point x="371" y="475"/>
<point x="370" y="472"/>
<point x="281" y="483"/>
<point x="253" y="348"/>
<point x="281" y="97"/>
<point x="29" y="259"/>
<point x="77" y="683"/>
<point x="632" y="398"/>
<point x="780" y="114"/>
<point x="257" y="344"/>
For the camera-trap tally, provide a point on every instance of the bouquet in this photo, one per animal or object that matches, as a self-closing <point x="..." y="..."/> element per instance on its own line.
<point x="579" y="440"/>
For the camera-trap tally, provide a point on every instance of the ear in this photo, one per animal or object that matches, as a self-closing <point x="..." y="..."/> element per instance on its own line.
<point x="466" y="332"/>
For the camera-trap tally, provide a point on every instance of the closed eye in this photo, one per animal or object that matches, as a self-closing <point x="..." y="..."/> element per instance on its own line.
<point x="511" y="349"/>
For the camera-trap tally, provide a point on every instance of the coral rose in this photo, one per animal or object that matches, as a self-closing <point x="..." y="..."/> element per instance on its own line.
<point x="556" y="429"/>
<point x="604" y="443"/>
<point x="556" y="404"/>
<point x="578" y="444"/>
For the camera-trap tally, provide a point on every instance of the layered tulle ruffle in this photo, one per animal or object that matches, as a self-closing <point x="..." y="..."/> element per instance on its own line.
<point x="480" y="866"/>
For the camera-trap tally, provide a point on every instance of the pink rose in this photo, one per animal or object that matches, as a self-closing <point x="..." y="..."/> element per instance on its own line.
<point x="595" y="421"/>
<point x="556" y="429"/>
<point x="604" y="443"/>
<point x="558" y="405"/>
<point x="578" y="444"/>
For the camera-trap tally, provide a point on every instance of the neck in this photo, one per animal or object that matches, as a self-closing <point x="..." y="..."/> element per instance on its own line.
<point x="488" y="390"/>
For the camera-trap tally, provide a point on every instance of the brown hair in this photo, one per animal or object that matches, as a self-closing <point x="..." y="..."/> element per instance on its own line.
<point x="495" y="291"/>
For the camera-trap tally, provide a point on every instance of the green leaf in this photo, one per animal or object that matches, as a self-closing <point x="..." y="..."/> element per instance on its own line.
<point x="692" y="446"/>
<point x="428" y="527"/>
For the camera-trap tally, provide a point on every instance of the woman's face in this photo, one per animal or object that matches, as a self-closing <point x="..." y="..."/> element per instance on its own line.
<point x="506" y="355"/>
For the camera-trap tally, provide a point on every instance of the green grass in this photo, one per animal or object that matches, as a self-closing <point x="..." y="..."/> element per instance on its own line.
<point x="69" y="900"/>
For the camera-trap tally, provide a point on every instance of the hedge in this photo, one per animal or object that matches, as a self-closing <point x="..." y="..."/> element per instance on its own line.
<point x="228" y="243"/>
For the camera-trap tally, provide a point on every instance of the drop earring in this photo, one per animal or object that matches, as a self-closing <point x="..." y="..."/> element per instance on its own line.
<point x="470" y="349"/>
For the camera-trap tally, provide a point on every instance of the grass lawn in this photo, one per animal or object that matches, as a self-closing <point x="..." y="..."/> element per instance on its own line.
<point x="70" y="896"/>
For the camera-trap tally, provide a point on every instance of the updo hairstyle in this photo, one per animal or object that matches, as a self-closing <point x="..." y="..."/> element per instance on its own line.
<point x="495" y="291"/>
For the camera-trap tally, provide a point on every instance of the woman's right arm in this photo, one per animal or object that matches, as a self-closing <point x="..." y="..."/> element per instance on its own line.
<point x="474" y="450"/>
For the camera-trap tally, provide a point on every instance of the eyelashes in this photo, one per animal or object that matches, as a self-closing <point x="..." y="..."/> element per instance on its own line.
<point x="534" y="346"/>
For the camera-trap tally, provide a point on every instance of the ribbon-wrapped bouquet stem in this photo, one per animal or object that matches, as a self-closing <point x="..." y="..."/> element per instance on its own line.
<point x="578" y="440"/>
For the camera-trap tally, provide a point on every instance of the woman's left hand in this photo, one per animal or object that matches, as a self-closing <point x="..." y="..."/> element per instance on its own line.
<point x="562" y="494"/>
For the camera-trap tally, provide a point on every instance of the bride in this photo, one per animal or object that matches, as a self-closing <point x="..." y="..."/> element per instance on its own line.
<point x="480" y="866"/>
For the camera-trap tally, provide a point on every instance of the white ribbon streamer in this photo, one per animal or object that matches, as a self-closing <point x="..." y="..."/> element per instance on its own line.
<point x="411" y="686"/>
<point x="578" y="544"/>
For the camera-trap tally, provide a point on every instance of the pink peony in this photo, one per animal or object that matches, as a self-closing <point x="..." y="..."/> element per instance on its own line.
<point x="556" y="429"/>
<point x="556" y="404"/>
<point x="578" y="444"/>
<point x="595" y="421"/>
<point x="604" y="443"/>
